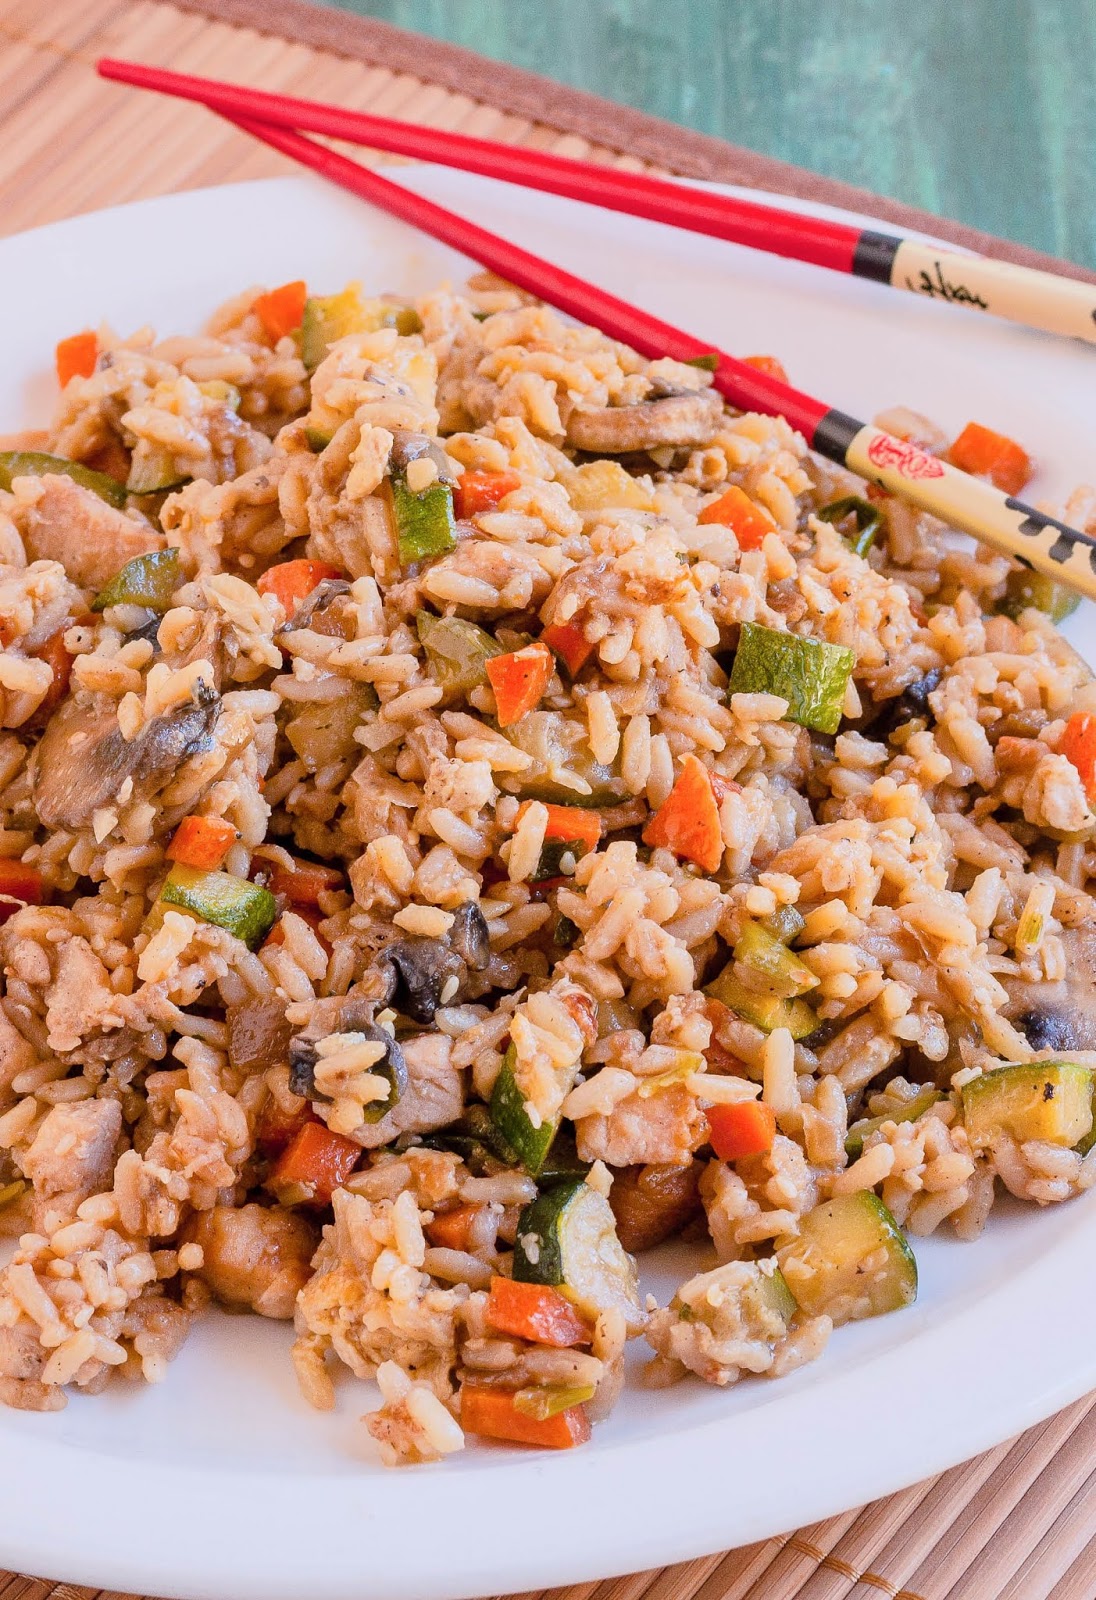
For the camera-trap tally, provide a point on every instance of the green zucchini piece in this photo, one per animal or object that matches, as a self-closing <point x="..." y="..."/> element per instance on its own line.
<point x="764" y="1011"/>
<point x="529" y="1142"/>
<point x="1049" y="1100"/>
<point x="913" y="1108"/>
<point x="785" y="924"/>
<point x="327" y="318"/>
<point x="552" y="852"/>
<point x="244" y="908"/>
<point x="783" y="971"/>
<point x="317" y="439"/>
<point x="152" y="470"/>
<point x="549" y="1400"/>
<point x="810" y="675"/>
<point x="393" y="1069"/>
<point x="561" y="1164"/>
<point x="1024" y="588"/>
<point x="566" y="933"/>
<point x="849" y="1260"/>
<point x="560" y="744"/>
<point x="567" y="1237"/>
<point x="709" y="362"/>
<point x="149" y="580"/>
<point x="424" y="522"/>
<point x="457" y="652"/>
<point x="35" y="464"/>
<point x="776" y="1294"/>
<point x="868" y="519"/>
<point x="405" y="320"/>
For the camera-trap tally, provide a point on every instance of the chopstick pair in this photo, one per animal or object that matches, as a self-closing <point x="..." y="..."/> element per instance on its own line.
<point x="1019" y="294"/>
<point x="1065" y="554"/>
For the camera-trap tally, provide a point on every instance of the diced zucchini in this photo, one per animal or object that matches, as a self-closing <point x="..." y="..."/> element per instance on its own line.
<point x="567" y="1237"/>
<point x="424" y="522"/>
<point x="152" y="470"/>
<point x="317" y="439"/>
<point x="333" y="316"/>
<point x="764" y="1011"/>
<point x="776" y="1294"/>
<point x="561" y="1164"/>
<point x="220" y="389"/>
<point x="601" y="485"/>
<point x="784" y="973"/>
<point x="35" y="464"/>
<point x="785" y="924"/>
<point x="559" y="744"/>
<point x="393" y="1069"/>
<point x="323" y="730"/>
<point x="566" y="933"/>
<point x="244" y="908"/>
<point x="913" y="1108"/>
<point x="552" y="854"/>
<point x="1024" y="588"/>
<point x="1049" y="1100"/>
<point x="149" y="580"/>
<point x="548" y="1400"/>
<point x="810" y="675"/>
<point x="707" y="363"/>
<point x="457" y="652"/>
<point x="530" y="1141"/>
<point x="849" y="1260"/>
<point x="866" y="518"/>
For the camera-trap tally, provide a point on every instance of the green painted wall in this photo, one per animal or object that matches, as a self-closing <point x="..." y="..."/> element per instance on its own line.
<point x="983" y="110"/>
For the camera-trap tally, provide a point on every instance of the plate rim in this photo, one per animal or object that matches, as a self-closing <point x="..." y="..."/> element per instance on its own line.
<point x="690" y="1523"/>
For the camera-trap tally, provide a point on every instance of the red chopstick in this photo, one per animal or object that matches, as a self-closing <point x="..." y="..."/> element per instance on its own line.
<point x="1064" y="553"/>
<point x="1039" y="299"/>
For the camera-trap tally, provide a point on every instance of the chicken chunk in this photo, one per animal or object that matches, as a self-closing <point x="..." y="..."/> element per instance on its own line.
<point x="255" y="1256"/>
<point x="72" y="1155"/>
<point x="679" y="419"/>
<point x="90" y="539"/>
<point x="666" y="1127"/>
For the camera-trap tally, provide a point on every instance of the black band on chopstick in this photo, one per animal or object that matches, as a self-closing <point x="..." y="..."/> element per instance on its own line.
<point x="874" y="255"/>
<point x="1037" y="522"/>
<point x="833" y="434"/>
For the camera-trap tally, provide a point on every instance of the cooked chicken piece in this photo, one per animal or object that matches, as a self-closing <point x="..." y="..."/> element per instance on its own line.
<point x="678" y="419"/>
<point x="667" y="1127"/>
<point x="255" y="1256"/>
<point x="654" y="1202"/>
<point x="92" y="540"/>
<point x="72" y="1154"/>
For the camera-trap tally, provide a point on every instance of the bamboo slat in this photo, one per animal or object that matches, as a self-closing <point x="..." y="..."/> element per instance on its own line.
<point x="1019" y="1523"/>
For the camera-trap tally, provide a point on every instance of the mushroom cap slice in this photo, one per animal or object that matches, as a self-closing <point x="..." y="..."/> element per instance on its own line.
<point x="83" y="760"/>
<point x="678" y="419"/>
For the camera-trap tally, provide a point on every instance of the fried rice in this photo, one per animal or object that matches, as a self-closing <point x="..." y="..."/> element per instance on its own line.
<point x="423" y="891"/>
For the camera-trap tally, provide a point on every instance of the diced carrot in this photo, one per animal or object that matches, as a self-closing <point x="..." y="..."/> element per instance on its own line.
<point x="76" y="356"/>
<point x="570" y="644"/>
<point x="1078" y="745"/>
<point x="687" y="821"/>
<point x="201" y="842"/>
<point x="53" y="652"/>
<point x="278" y="1127"/>
<point x="745" y="1129"/>
<point x="519" y="679"/>
<point x="293" y="581"/>
<point x="735" y="510"/>
<point x="21" y="882"/>
<point x="995" y="456"/>
<point x="720" y="1059"/>
<point x="570" y="823"/>
<point x="722" y="787"/>
<point x="769" y="365"/>
<point x="482" y="491"/>
<point x="310" y="914"/>
<point x="492" y="1414"/>
<point x="281" y="310"/>
<point x="318" y="1158"/>
<point x="451" y="1230"/>
<point x="536" y="1312"/>
<point x="302" y="884"/>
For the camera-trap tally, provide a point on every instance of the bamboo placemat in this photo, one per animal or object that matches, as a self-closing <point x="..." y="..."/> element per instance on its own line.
<point x="1018" y="1523"/>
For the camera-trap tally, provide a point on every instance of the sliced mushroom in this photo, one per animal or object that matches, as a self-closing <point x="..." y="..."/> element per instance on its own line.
<point x="82" y="760"/>
<point x="303" y="1057"/>
<point x="416" y="972"/>
<point x="470" y="937"/>
<point x="678" y="419"/>
<point x="322" y="611"/>
<point x="408" y="446"/>
<point x="1059" y="1016"/>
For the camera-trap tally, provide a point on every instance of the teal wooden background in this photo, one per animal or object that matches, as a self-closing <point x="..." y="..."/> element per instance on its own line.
<point x="984" y="110"/>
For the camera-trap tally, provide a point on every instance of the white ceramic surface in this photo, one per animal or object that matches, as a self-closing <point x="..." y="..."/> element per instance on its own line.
<point x="221" y="1483"/>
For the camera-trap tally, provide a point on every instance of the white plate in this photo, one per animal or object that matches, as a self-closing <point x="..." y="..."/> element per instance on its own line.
<point x="222" y="1482"/>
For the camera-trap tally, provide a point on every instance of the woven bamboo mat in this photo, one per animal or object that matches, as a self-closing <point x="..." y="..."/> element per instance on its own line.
<point x="1016" y="1524"/>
